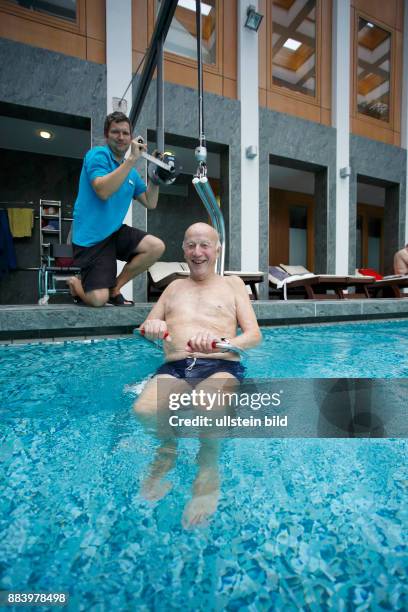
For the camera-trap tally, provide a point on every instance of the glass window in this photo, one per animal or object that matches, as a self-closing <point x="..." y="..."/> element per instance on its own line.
<point x="182" y="35"/>
<point x="373" y="70"/>
<point x="374" y="243"/>
<point x="65" y="9"/>
<point x="298" y="236"/>
<point x="294" y="45"/>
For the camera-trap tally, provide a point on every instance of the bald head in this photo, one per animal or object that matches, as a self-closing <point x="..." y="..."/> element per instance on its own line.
<point x="203" y="231"/>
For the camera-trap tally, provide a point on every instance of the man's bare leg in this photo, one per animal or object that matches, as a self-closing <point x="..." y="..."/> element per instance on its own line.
<point x="148" y="252"/>
<point x="206" y="486"/>
<point x="150" y="404"/>
<point x="97" y="297"/>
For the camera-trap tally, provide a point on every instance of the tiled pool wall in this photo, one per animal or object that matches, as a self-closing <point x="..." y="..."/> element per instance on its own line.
<point x="18" y="323"/>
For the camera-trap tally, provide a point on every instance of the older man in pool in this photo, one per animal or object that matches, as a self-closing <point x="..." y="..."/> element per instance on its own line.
<point x="190" y="316"/>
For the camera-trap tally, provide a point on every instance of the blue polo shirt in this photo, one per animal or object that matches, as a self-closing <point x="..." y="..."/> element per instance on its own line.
<point x="96" y="219"/>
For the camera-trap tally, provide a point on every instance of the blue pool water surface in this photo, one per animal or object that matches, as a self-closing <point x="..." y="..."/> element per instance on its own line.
<point x="313" y="524"/>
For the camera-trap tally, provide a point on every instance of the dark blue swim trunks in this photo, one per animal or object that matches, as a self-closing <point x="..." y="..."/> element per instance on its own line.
<point x="193" y="368"/>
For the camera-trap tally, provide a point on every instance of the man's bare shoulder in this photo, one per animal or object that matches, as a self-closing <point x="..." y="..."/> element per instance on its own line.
<point x="176" y="285"/>
<point x="235" y="282"/>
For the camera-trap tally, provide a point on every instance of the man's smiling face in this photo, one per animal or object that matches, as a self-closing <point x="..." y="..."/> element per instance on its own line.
<point x="119" y="138"/>
<point x="201" y="249"/>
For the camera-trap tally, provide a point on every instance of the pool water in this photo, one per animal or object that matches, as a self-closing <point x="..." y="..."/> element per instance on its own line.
<point x="301" y="523"/>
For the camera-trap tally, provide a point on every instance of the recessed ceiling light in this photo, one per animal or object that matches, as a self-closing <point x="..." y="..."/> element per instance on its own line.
<point x="46" y="134"/>
<point x="369" y="24"/>
<point x="191" y="6"/>
<point x="292" y="44"/>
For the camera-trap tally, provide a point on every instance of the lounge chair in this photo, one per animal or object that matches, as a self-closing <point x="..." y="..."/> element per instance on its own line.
<point x="317" y="286"/>
<point x="162" y="273"/>
<point x="389" y="287"/>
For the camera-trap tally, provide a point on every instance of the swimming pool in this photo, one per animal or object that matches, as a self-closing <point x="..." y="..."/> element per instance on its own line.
<point x="318" y="524"/>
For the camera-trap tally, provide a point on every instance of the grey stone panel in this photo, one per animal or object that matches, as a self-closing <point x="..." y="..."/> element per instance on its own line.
<point x="310" y="144"/>
<point x="383" y="164"/>
<point x="339" y="308"/>
<point x="385" y="307"/>
<point x="70" y="317"/>
<point x="54" y="320"/>
<point x="43" y="79"/>
<point x="280" y="311"/>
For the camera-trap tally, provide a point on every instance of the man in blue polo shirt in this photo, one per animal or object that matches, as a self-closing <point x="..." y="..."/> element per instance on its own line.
<point x="107" y="185"/>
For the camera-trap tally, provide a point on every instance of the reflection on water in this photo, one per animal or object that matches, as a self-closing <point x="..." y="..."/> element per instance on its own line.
<point x="318" y="523"/>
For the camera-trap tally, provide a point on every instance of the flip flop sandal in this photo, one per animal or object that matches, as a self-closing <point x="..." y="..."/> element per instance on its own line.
<point x="119" y="300"/>
<point x="78" y="301"/>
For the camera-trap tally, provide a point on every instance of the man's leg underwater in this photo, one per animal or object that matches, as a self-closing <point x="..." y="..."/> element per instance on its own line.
<point x="206" y="486"/>
<point x="148" y="251"/>
<point x="152" y="403"/>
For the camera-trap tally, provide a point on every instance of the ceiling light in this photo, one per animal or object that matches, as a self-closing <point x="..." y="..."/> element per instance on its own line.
<point x="369" y="24"/>
<point x="253" y="20"/>
<point x="292" y="44"/>
<point x="46" y="134"/>
<point x="190" y="5"/>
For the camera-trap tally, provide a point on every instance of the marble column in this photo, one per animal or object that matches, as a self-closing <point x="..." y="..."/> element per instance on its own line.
<point x="341" y="121"/>
<point x="119" y="75"/>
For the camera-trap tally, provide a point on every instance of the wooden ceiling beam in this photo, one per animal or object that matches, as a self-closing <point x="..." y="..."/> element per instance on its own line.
<point x="301" y="16"/>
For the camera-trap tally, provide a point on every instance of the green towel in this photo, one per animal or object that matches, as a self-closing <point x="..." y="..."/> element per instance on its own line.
<point x="21" y="222"/>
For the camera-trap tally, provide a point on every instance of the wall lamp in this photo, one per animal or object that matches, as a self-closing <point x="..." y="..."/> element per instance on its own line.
<point x="253" y="19"/>
<point x="345" y="172"/>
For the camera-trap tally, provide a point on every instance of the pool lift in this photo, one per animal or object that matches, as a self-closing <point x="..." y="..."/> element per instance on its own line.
<point x="162" y="170"/>
<point x="200" y="180"/>
<point x="166" y="169"/>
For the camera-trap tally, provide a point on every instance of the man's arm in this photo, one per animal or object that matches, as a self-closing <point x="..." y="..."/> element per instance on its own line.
<point x="401" y="262"/>
<point x="251" y="334"/>
<point x="154" y="325"/>
<point x="149" y="198"/>
<point x="105" y="186"/>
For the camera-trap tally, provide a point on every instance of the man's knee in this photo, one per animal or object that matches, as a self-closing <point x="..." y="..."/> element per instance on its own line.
<point x="144" y="408"/>
<point x="97" y="297"/>
<point x="157" y="247"/>
<point x="153" y="246"/>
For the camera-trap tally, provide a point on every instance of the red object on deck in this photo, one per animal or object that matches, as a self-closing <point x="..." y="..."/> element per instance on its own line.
<point x="370" y="272"/>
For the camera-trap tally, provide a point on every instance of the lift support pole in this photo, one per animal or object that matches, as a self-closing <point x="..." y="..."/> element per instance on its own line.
<point x="164" y="18"/>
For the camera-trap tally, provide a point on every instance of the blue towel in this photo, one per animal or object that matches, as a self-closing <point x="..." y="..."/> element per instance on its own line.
<point x="7" y="251"/>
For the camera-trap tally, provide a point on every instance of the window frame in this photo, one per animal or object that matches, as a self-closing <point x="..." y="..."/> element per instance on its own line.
<point x="389" y="125"/>
<point x="297" y="95"/>
<point x="187" y="61"/>
<point x="75" y="27"/>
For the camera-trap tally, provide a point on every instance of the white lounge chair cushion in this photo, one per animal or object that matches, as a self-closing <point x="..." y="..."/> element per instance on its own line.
<point x="295" y="269"/>
<point x="162" y="270"/>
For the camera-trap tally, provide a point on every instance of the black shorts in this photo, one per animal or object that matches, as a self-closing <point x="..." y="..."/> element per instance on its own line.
<point x="199" y="368"/>
<point x="98" y="262"/>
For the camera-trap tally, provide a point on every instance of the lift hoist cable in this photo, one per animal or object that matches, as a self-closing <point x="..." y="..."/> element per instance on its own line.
<point x="200" y="180"/>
